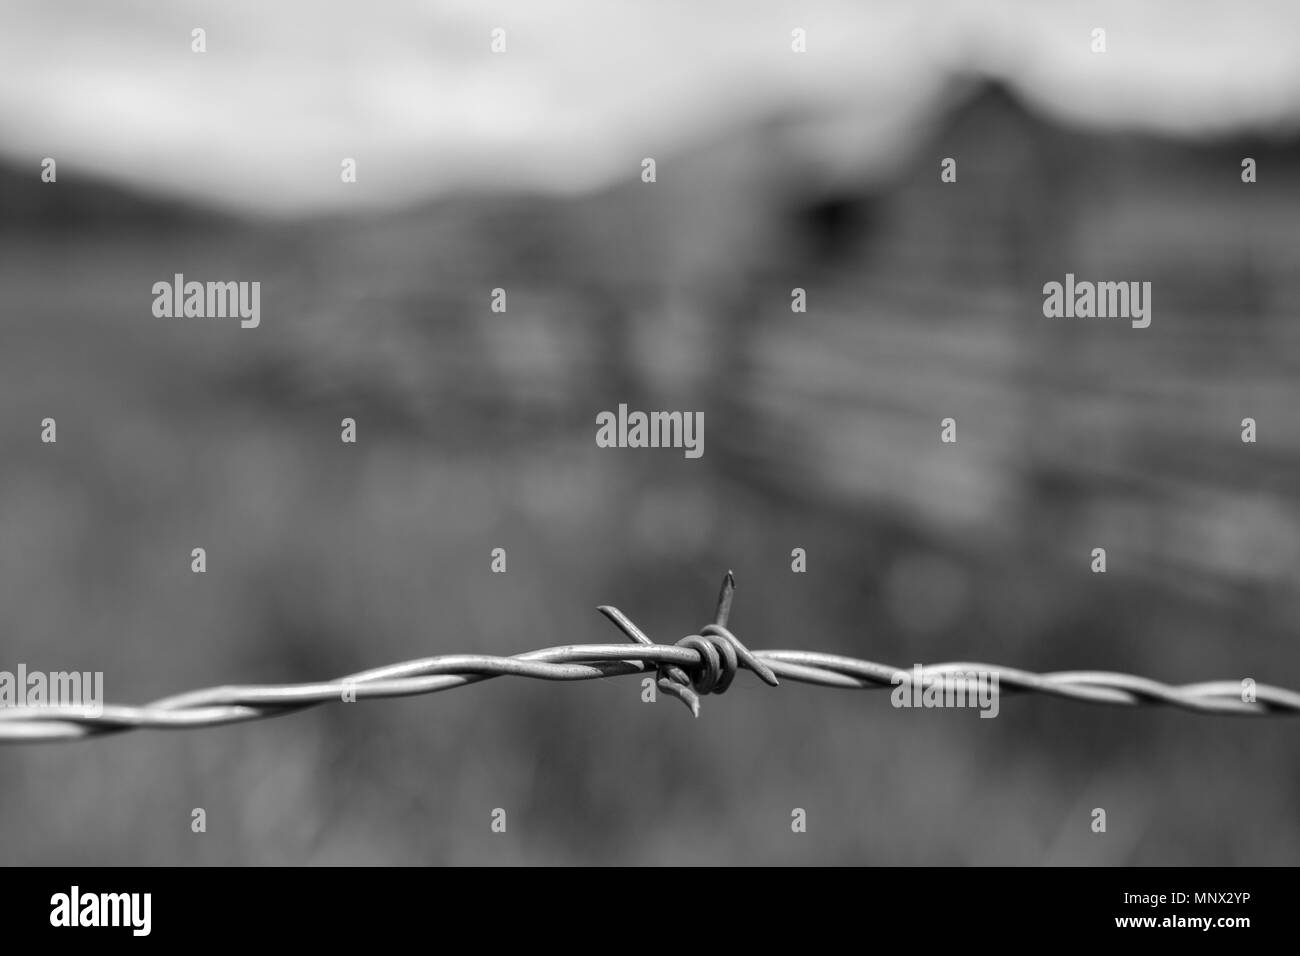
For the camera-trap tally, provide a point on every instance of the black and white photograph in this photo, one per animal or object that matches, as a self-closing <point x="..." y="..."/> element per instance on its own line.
<point x="639" y="433"/>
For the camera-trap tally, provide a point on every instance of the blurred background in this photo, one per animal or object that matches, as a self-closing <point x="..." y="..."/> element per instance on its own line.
<point x="476" y="429"/>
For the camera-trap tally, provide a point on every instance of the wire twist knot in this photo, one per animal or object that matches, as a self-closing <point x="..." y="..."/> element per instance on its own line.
<point x="721" y="654"/>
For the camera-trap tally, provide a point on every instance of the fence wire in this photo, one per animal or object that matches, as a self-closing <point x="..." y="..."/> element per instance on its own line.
<point x="701" y="664"/>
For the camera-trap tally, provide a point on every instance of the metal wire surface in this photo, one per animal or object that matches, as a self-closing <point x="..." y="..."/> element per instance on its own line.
<point x="703" y="663"/>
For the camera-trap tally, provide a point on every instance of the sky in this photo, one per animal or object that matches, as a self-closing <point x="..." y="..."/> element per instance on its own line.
<point x="413" y="92"/>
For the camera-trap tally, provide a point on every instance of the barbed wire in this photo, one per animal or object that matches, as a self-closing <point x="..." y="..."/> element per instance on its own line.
<point x="700" y="664"/>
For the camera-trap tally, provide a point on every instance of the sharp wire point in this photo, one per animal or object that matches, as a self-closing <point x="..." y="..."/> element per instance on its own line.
<point x="624" y="624"/>
<point x="725" y="596"/>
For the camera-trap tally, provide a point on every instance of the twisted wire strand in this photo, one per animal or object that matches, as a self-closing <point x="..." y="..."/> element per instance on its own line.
<point x="698" y="665"/>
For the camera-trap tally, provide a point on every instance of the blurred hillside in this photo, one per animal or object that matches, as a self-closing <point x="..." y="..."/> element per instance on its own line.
<point x="822" y="432"/>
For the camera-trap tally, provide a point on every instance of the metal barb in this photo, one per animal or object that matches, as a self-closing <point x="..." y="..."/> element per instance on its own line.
<point x="725" y="595"/>
<point x="721" y="653"/>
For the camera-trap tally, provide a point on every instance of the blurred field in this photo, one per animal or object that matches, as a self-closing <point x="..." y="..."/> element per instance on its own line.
<point x="476" y="431"/>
